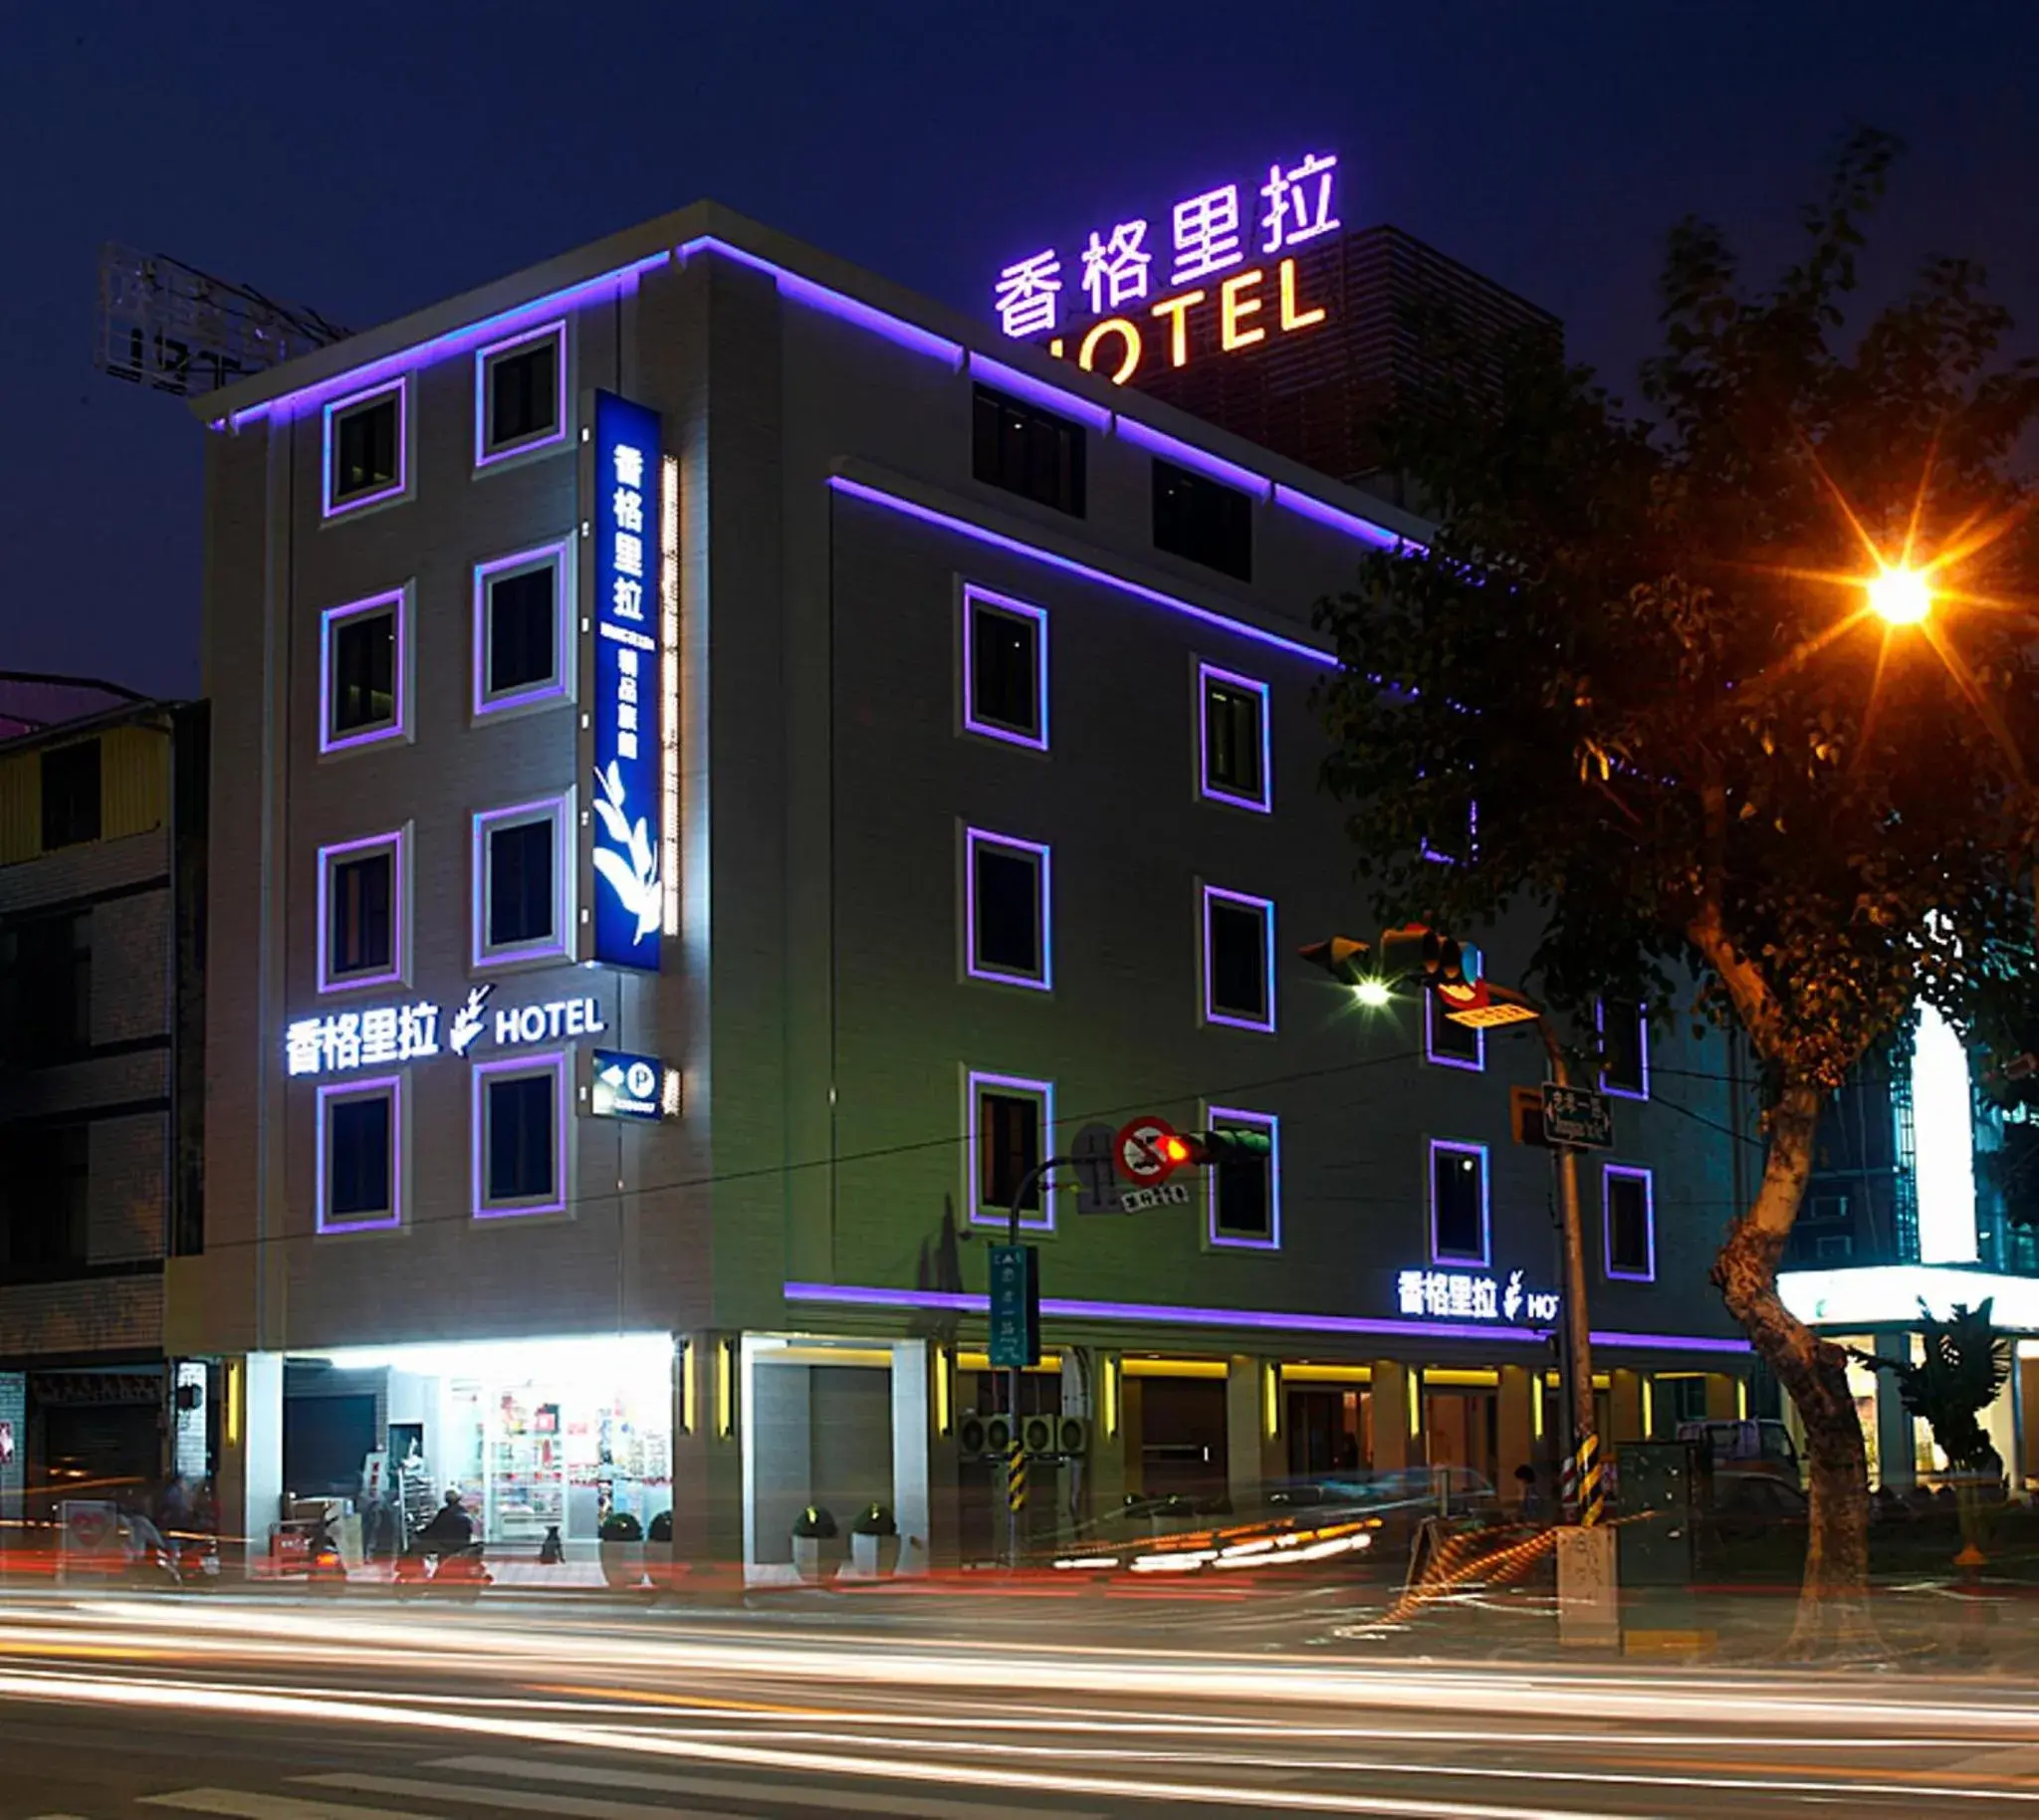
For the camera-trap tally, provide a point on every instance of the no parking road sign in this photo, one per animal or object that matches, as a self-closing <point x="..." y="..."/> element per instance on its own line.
<point x="1147" y="1151"/>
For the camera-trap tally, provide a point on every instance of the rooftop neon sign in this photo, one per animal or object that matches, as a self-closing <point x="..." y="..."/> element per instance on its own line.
<point x="1220" y="252"/>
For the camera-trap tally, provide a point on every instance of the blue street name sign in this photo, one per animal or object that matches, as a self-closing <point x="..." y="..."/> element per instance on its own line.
<point x="1015" y="1306"/>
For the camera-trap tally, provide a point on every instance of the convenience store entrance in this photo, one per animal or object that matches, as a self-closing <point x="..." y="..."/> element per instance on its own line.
<point x="534" y="1434"/>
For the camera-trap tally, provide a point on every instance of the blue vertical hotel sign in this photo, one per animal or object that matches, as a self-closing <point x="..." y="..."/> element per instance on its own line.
<point x="624" y="822"/>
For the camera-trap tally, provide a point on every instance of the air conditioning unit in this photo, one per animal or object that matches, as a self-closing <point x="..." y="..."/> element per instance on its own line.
<point x="1055" y="1436"/>
<point x="1072" y="1436"/>
<point x="970" y="1435"/>
<point x="1038" y="1436"/>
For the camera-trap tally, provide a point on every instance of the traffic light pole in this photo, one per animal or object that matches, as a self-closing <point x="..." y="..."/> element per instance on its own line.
<point x="1577" y="1327"/>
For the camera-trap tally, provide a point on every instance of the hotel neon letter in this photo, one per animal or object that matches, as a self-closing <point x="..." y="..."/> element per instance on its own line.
<point x="1232" y="306"/>
<point x="1290" y="318"/>
<point x="1086" y="354"/>
<point x="1177" y="310"/>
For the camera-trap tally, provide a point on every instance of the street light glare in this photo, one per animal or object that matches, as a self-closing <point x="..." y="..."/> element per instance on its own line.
<point x="1901" y="595"/>
<point x="1374" y="993"/>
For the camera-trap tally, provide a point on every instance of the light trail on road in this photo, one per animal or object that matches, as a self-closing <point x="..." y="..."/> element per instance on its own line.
<point x="1068" y="1720"/>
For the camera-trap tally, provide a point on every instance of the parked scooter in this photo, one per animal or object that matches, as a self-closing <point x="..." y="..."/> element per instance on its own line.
<point x="452" y="1572"/>
<point x="325" y="1567"/>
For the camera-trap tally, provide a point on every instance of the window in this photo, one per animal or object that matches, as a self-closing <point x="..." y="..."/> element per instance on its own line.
<point x="1453" y="836"/>
<point x="1246" y="1196"/>
<point x="1197" y="518"/>
<point x="1624" y="1048"/>
<point x="1449" y="1044"/>
<point x="1005" y="669"/>
<point x="71" y="795"/>
<point x="362" y="671"/>
<point x="1628" y="1209"/>
<point x="1457" y="1203"/>
<point x="521" y="904"/>
<point x="1011" y="1120"/>
<point x="1006" y="910"/>
<point x="359" y="1154"/>
<point x="1027" y="451"/>
<point x="1238" y="960"/>
<point x="365" y="447"/>
<point x="1234" y="764"/>
<point x="520" y="1136"/>
<point x="360" y="911"/>
<point x="46" y="989"/>
<point x="520" y="399"/>
<point x="44" y="1195"/>
<point x="520" y="622"/>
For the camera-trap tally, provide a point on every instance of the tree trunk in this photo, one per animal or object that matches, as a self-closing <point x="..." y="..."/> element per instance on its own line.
<point x="1833" y="1606"/>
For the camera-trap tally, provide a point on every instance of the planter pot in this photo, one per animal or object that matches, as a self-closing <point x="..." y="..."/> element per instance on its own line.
<point x="806" y="1557"/>
<point x="623" y="1564"/>
<point x="874" y="1556"/>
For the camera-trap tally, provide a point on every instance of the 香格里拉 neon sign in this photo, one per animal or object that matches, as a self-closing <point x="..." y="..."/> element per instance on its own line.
<point x="1230" y="282"/>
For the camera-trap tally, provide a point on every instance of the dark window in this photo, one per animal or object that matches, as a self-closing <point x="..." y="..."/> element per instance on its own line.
<point x="1008" y="1148"/>
<point x="1629" y="1245"/>
<point x="524" y="393"/>
<point x="1007" y="890"/>
<point x="522" y="1119"/>
<point x="1004" y="672"/>
<point x="71" y="793"/>
<point x="44" y="1195"/>
<point x="365" y="448"/>
<point x="363" y="672"/>
<point x="1232" y="741"/>
<point x="359" y="915"/>
<point x="46" y="988"/>
<point x="1624" y="1048"/>
<point x="358" y="1165"/>
<point x="1244" y="1191"/>
<point x="1458" y="1200"/>
<point x="1027" y="451"/>
<point x="521" y="883"/>
<point x="1451" y="1042"/>
<point x="522" y="647"/>
<point x="1235" y="935"/>
<point x="1197" y="518"/>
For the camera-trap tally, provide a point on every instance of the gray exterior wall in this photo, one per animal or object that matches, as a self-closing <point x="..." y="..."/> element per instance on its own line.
<point x="814" y="998"/>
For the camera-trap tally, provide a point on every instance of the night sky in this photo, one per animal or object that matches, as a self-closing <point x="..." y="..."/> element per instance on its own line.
<point x="368" y="158"/>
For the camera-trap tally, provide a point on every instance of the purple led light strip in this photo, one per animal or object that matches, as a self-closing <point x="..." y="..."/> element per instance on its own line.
<point x="482" y="1073"/>
<point x="1264" y="804"/>
<point x="1475" y="1064"/>
<point x="975" y="839"/>
<point x="396" y="602"/>
<point x="1641" y="1055"/>
<point x="484" y="456"/>
<point x="1187" y="455"/>
<point x="1215" y="894"/>
<point x="392" y="1087"/>
<point x="556" y="811"/>
<point x="1453" y="1147"/>
<point x="553" y="554"/>
<point x="1017" y="609"/>
<point x="1025" y="386"/>
<point x="1624" y="1173"/>
<point x="998" y="540"/>
<point x="854" y="1295"/>
<point x="424" y="354"/>
<point x="1044" y="1092"/>
<point x="392" y="844"/>
<point x="1256" y="1121"/>
<point x="330" y="507"/>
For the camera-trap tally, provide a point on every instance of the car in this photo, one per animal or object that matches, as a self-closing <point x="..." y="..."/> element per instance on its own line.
<point x="1741" y="1449"/>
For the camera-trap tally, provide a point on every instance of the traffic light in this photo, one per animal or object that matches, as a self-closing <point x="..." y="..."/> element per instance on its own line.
<point x="1414" y="952"/>
<point x="1344" y="959"/>
<point x="1233" y="1144"/>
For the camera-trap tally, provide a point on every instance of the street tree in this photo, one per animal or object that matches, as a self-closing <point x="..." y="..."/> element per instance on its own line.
<point x="1740" y="681"/>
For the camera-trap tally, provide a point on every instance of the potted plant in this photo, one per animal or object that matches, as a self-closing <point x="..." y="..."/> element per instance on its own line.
<point x="813" y="1527"/>
<point x="874" y="1542"/>
<point x="658" y="1550"/>
<point x="621" y="1540"/>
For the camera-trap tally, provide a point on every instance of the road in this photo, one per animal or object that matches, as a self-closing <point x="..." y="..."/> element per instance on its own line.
<point x="283" y="1708"/>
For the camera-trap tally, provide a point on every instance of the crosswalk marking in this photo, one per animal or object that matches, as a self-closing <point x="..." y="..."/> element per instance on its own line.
<point x="245" y="1804"/>
<point x="508" y="1800"/>
<point x="784" y="1794"/>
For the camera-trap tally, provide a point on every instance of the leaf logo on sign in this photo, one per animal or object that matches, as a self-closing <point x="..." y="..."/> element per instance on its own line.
<point x="629" y="864"/>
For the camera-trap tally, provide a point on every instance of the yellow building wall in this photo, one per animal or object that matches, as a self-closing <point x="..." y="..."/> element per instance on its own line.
<point x="135" y="789"/>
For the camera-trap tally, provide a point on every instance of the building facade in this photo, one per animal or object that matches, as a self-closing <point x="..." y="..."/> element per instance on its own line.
<point x="721" y="767"/>
<point x="103" y="804"/>
<point x="1924" y="1191"/>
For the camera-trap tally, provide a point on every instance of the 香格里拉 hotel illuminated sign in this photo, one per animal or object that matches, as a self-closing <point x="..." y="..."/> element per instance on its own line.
<point x="1472" y="1295"/>
<point x="340" y="1043"/>
<point x="1216" y="273"/>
